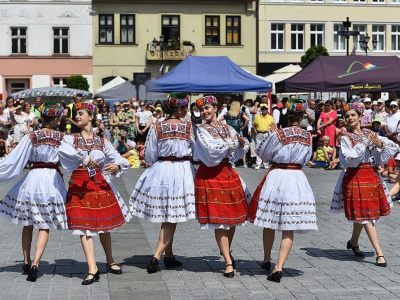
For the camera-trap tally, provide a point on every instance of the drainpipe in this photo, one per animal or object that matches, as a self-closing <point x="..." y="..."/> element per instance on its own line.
<point x="257" y="35"/>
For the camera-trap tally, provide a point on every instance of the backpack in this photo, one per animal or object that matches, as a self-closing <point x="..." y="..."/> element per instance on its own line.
<point x="234" y="121"/>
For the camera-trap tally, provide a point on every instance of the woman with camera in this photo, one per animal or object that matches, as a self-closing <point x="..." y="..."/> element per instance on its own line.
<point x="19" y="121"/>
<point x="118" y="120"/>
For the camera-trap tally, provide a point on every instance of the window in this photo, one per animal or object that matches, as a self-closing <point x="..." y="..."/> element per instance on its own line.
<point x="359" y="1"/>
<point x="212" y="30"/>
<point x="60" y="40"/>
<point x="233" y="30"/>
<point x="378" y="34"/>
<point x="378" y="1"/>
<point x="317" y="0"/>
<point x="338" y="40"/>
<point x="127" y="29"/>
<point x="61" y="82"/>
<point x="317" y="34"/>
<point x="171" y="28"/>
<point x="18" y="40"/>
<point x="297" y="36"/>
<point x="106" y="29"/>
<point x="339" y="0"/>
<point x="362" y="30"/>
<point x="277" y="36"/>
<point x="395" y="1"/>
<point x="395" y="38"/>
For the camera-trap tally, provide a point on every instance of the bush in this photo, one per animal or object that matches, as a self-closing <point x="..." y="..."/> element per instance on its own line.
<point x="312" y="53"/>
<point x="78" y="82"/>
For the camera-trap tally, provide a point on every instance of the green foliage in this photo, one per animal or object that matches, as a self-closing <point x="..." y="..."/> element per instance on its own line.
<point x="312" y="53"/>
<point x="78" y="82"/>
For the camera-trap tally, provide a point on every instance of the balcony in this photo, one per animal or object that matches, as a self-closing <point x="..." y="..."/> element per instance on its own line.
<point x="173" y="52"/>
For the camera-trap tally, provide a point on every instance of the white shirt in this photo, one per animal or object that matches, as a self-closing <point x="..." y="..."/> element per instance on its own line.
<point x="276" y="114"/>
<point x="391" y="121"/>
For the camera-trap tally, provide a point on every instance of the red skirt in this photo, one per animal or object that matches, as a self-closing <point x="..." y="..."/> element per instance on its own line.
<point x="253" y="206"/>
<point x="220" y="198"/>
<point x="363" y="194"/>
<point x="91" y="204"/>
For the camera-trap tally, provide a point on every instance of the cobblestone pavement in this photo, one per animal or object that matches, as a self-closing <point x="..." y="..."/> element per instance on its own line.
<point x="319" y="266"/>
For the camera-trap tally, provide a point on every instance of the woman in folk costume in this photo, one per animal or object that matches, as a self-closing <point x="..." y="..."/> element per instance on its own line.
<point x="165" y="191"/>
<point x="93" y="204"/>
<point x="221" y="195"/>
<point x="37" y="200"/>
<point x="360" y="191"/>
<point x="284" y="200"/>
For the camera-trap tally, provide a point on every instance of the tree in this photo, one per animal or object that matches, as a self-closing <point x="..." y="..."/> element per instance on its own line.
<point x="312" y="53"/>
<point x="78" y="82"/>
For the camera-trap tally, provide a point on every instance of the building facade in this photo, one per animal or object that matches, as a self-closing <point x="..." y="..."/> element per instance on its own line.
<point x="43" y="43"/>
<point x="287" y="28"/>
<point x="141" y="40"/>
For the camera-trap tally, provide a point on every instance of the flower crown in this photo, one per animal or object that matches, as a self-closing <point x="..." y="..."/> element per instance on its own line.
<point x="87" y="106"/>
<point x="355" y="106"/>
<point x="178" y="99"/>
<point x="296" y="105"/>
<point x="206" y="100"/>
<point x="51" y="108"/>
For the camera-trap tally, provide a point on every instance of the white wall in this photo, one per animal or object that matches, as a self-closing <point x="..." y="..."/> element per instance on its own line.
<point x="40" y="81"/>
<point x="40" y="18"/>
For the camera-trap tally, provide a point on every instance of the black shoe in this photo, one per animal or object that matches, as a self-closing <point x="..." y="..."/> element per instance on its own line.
<point x="384" y="264"/>
<point x="358" y="254"/>
<point x="266" y="266"/>
<point x="93" y="279"/>
<point x="232" y="259"/>
<point x="25" y="269"/>
<point x="32" y="275"/>
<point x="229" y="274"/>
<point x="114" y="271"/>
<point x="153" y="266"/>
<point x="171" y="262"/>
<point x="275" y="277"/>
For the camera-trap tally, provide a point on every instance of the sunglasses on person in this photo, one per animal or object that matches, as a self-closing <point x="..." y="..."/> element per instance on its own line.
<point x="115" y="106"/>
<point x="263" y="108"/>
<point x="141" y="105"/>
<point x="393" y="106"/>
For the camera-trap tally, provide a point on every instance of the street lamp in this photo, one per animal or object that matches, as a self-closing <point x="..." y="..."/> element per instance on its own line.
<point x="161" y="44"/>
<point x="364" y="44"/>
<point x="346" y="33"/>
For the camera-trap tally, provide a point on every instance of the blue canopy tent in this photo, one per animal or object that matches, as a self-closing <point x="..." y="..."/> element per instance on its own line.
<point x="208" y="74"/>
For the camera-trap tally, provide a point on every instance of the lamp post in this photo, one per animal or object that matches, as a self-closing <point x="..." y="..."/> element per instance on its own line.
<point x="161" y="44"/>
<point x="364" y="44"/>
<point x="346" y="33"/>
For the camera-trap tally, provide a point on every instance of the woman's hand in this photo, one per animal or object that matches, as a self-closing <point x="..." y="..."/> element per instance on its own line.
<point x="110" y="168"/>
<point x="375" y="140"/>
<point x="241" y="140"/>
<point x="92" y="164"/>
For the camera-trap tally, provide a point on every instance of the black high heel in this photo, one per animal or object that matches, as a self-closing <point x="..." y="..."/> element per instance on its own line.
<point x="153" y="266"/>
<point x="32" y="275"/>
<point x="114" y="271"/>
<point x="358" y="254"/>
<point x="266" y="266"/>
<point x="384" y="264"/>
<point x="171" y="262"/>
<point x="229" y="274"/>
<point x="25" y="269"/>
<point x="93" y="279"/>
<point x="275" y="277"/>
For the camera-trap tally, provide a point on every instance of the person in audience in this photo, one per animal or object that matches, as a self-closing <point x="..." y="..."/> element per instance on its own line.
<point x="118" y="120"/>
<point x="144" y="119"/>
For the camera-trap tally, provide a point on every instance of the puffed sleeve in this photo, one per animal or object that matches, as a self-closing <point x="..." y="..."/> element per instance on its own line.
<point x="382" y="155"/>
<point x="70" y="157"/>
<point x="351" y="156"/>
<point x="150" y="151"/>
<point x="13" y="164"/>
<point x="113" y="157"/>
<point x="266" y="149"/>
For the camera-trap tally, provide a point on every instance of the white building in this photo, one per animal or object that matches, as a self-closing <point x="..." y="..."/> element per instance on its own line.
<point x="43" y="43"/>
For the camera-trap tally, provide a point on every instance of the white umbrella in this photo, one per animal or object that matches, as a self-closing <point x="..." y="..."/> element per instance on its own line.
<point x="116" y="81"/>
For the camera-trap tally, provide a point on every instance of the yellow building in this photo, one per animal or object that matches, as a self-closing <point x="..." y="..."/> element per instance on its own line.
<point x="287" y="28"/>
<point x="127" y="35"/>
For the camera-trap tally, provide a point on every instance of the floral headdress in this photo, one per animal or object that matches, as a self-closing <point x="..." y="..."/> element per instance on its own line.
<point x="355" y="106"/>
<point x="51" y="108"/>
<point x="178" y="99"/>
<point x="206" y="100"/>
<point x="296" y="105"/>
<point x="88" y="106"/>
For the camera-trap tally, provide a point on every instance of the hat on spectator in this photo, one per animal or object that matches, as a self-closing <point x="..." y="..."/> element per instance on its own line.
<point x="380" y="100"/>
<point x="131" y="144"/>
<point x="394" y="103"/>
<point x="178" y="99"/>
<point x="264" y="105"/>
<point x="397" y="157"/>
<point x="309" y="128"/>
<point x="367" y="99"/>
<point x="374" y="102"/>
<point x="51" y="108"/>
<point x="296" y="105"/>
<point x="206" y="100"/>
<point x="377" y="120"/>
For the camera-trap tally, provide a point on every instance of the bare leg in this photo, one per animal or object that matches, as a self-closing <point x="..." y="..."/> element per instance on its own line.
<point x="231" y="234"/>
<point x="26" y="243"/>
<point x="41" y="243"/>
<point x="357" y="228"/>
<point x="165" y="240"/>
<point x="286" y="245"/>
<point x="105" y="239"/>
<point x="244" y="160"/>
<point x="370" y="229"/>
<point x="88" y="249"/>
<point x="268" y="240"/>
<point x="394" y="190"/>
<point x="222" y="238"/>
